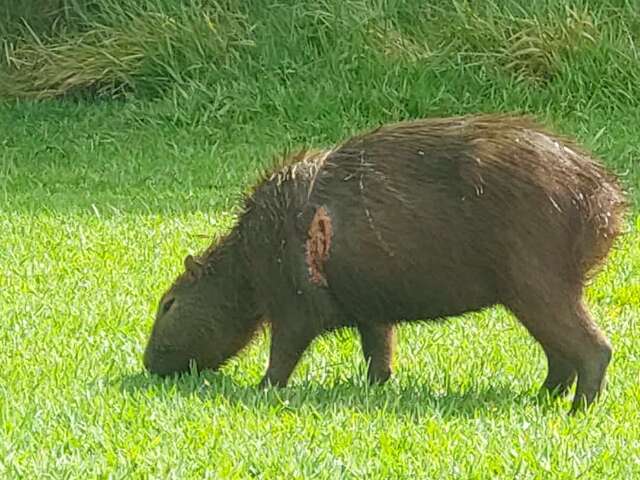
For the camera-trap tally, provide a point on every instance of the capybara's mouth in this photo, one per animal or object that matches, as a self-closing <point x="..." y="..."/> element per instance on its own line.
<point x="164" y="364"/>
<point x="160" y="362"/>
<point x="161" y="370"/>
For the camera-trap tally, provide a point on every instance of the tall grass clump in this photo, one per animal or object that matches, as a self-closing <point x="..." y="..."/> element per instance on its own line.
<point x="116" y="47"/>
<point x="123" y="47"/>
<point x="40" y="15"/>
<point x="325" y="68"/>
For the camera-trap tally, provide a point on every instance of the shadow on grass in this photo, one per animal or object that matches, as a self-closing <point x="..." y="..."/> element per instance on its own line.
<point x="413" y="401"/>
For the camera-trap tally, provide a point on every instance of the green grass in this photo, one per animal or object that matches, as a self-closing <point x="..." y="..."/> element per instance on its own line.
<point x="103" y="194"/>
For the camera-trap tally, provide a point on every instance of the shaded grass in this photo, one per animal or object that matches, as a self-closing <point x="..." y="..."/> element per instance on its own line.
<point x="177" y="167"/>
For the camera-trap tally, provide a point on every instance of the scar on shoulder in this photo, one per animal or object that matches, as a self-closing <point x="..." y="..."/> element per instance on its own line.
<point x="318" y="246"/>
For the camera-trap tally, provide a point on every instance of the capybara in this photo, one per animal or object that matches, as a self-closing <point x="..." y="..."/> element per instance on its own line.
<point x="415" y="220"/>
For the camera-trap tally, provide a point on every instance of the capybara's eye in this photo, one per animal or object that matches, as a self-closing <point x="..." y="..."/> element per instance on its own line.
<point x="167" y="305"/>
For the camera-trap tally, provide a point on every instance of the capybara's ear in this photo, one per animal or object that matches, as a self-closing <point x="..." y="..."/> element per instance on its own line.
<point x="193" y="267"/>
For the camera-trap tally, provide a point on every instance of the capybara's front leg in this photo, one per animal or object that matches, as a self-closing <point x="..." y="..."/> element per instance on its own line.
<point x="378" y="342"/>
<point x="287" y="346"/>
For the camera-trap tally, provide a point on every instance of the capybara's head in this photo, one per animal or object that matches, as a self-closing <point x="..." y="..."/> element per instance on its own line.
<point x="202" y="318"/>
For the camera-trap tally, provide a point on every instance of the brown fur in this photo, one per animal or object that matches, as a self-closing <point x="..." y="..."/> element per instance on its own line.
<point x="412" y="221"/>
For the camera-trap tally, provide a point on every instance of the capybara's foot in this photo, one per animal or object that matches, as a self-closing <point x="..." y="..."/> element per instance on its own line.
<point x="591" y="376"/>
<point x="377" y="347"/>
<point x="378" y="377"/>
<point x="268" y="382"/>
<point x="560" y="377"/>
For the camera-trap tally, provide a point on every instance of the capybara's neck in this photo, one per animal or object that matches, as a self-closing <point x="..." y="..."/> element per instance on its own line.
<point x="234" y="292"/>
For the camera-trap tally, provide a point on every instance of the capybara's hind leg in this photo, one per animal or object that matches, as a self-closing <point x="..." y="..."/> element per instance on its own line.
<point x="595" y="356"/>
<point x="377" y="347"/>
<point x="561" y="373"/>
<point x="563" y="326"/>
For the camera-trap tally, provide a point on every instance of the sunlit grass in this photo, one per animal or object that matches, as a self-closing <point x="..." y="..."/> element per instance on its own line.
<point x="95" y="223"/>
<point x="78" y="297"/>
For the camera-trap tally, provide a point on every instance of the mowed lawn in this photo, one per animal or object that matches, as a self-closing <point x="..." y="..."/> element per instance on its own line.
<point x="96" y="216"/>
<point x="129" y="132"/>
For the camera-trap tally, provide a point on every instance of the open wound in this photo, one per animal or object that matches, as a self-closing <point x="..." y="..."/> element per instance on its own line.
<point x="318" y="246"/>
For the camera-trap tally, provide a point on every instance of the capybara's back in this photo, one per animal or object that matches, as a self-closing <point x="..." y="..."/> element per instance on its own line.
<point x="434" y="218"/>
<point x="412" y="221"/>
<point x="450" y="215"/>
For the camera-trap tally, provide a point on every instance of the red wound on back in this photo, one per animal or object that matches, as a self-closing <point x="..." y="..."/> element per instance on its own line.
<point x="318" y="246"/>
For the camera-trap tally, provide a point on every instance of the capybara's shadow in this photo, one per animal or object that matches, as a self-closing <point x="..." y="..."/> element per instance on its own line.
<point x="415" y="400"/>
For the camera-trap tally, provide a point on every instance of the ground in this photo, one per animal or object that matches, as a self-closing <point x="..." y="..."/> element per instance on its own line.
<point x="101" y="199"/>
